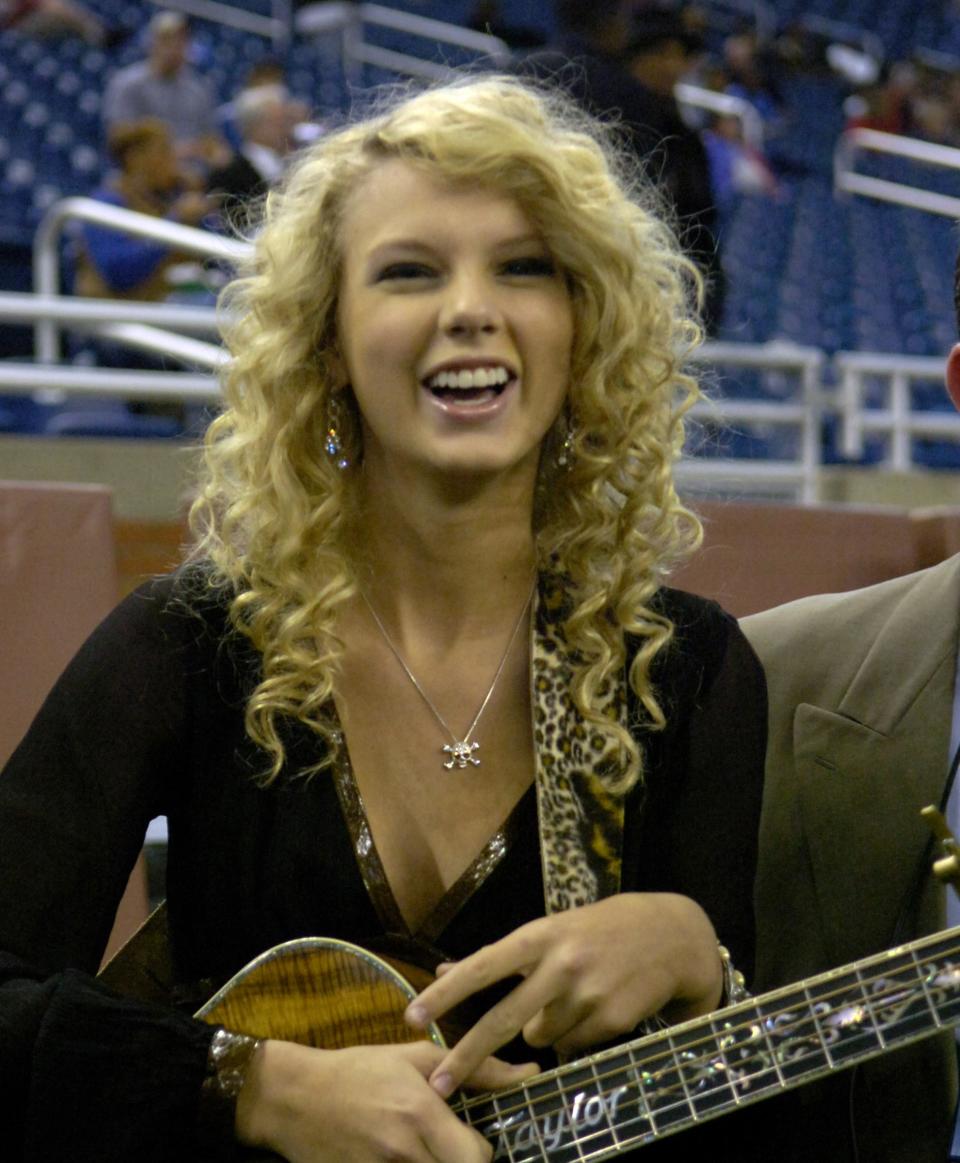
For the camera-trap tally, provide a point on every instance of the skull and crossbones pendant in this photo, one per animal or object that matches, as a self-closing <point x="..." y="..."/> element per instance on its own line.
<point x="461" y="755"/>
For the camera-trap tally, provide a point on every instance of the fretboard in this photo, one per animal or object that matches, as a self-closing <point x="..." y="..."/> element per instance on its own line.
<point x="629" y="1096"/>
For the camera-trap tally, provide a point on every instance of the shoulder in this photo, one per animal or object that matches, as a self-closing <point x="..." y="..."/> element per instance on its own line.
<point x="704" y="638"/>
<point x="128" y="75"/>
<point x="171" y="614"/>
<point x="819" y="623"/>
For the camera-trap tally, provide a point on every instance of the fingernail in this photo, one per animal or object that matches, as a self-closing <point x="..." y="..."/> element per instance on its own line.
<point x="416" y="1014"/>
<point x="442" y="1084"/>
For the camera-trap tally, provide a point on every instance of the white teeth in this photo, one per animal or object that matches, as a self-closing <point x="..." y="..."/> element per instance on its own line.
<point x="480" y="377"/>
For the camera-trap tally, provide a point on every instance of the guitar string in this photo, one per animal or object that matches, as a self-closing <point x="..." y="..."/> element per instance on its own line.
<point x="684" y="1099"/>
<point x="764" y="1057"/>
<point x="685" y="1102"/>
<point x="691" y="1065"/>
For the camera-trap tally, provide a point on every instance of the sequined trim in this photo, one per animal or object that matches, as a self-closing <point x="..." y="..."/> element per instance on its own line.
<point x="368" y="858"/>
<point x="375" y="877"/>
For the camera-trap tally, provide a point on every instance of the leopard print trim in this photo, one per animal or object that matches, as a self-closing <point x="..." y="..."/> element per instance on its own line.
<point x="581" y="823"/>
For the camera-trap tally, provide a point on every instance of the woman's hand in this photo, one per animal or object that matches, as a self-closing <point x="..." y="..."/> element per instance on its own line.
<point x="363" y="1105"/>
<point x="590" y="975"/>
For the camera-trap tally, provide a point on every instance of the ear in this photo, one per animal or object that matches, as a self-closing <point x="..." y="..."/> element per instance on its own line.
<point x="953" y="375"/>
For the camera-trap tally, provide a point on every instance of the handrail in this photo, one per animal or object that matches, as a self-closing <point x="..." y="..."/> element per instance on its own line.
<point x="276" y="27"/>
<point x="725" y="103"/>
<point x="847" y="180"/>
<point x="22" y="307"/>
<point x="899" y="422"/>
<point x="108" y="381"/>
<point x="806" y="412"/>
<point x="850" y="33"/>
<point x="141" y="323"/>
<point x="46" y="251"/>
<point x="349" y="19"/>
<point x="192" y="352"/>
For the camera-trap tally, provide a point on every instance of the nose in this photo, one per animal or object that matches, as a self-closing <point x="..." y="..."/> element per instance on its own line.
<point x="469" y="308"/>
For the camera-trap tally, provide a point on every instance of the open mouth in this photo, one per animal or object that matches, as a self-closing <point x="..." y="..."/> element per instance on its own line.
<point x="469" y="386"/>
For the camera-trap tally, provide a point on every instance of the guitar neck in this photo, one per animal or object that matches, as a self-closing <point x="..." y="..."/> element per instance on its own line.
<point x="629" y="1096"/>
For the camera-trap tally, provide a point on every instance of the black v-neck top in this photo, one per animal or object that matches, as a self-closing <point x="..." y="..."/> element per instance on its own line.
<point x="148" y="720"/>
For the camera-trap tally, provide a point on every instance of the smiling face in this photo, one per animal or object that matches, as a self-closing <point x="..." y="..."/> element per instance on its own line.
<point x="454" y="326"/>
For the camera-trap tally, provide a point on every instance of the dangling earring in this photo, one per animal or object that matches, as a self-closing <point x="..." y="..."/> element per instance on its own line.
<point x="334" y="442"/>
<point x="565" y="454"/>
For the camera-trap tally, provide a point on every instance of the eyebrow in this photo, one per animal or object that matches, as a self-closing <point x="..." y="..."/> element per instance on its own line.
<point x="390" y="245"/>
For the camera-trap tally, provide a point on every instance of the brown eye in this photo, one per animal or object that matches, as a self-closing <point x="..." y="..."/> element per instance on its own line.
<point x="531" y="266"/>
<point x="404" y="270"/>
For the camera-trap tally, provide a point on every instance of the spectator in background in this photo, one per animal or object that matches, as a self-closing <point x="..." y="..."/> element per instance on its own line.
<point x="752" y="75"/>
<point x="266" y="118"/>
<point x="622" y="63"/>
<point x="660" y="52"/>
<point x="267" y="71"/>
<point x="166" y="87"/>
<point x="58" y="18"/>
<point x="487" y="16"/>
<point x="736" y="167"/>
<point x="114" y="265"/>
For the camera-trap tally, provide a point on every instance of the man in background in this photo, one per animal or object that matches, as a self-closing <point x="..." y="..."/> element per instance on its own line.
<point x="625" y="65"/>
<point x="864" y="731"/>
<point x="166" y="87"/>
<point x="266" y="118"/>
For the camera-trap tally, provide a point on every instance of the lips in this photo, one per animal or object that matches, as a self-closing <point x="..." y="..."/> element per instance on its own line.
<point x="469" y="386"/>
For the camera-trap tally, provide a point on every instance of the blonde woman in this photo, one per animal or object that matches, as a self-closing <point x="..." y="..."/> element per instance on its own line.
<point x="421" y="678"/>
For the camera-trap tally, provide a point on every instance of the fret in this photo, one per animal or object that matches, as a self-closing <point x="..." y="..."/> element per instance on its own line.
<point x="611" y="1086"/>
<point x="819" y="1010"/>
<point x="792" y="1035"/>
<point x="940" y="979"/>
<point x="702" y="1070"/>
<point x="771" y="1054"/>
<point x="550" y="1125"/>
<point x="746" y="1053"/>
<point x="634" y="1114"/>
<point x="671" y="1099"/>
<point x="844" y="1021"/>
<point x="493" y="1123"/>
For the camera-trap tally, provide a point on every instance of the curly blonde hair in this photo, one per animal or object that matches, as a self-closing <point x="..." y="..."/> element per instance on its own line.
<point x="273" y="516"/>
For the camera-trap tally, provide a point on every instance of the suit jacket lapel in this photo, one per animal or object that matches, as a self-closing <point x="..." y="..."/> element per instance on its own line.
<point x="865" y="769"/>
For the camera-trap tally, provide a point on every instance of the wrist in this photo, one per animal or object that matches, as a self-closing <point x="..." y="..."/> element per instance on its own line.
<point x="700" y="986"/>
<point x="230" y="1059"/>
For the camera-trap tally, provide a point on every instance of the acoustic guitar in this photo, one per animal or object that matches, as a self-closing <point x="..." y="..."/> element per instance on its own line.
<point x="332" y="994"/>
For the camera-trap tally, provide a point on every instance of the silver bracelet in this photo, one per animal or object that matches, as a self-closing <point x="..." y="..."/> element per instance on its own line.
<point x="228" y="1061"/>
<point x="734" y="984"/>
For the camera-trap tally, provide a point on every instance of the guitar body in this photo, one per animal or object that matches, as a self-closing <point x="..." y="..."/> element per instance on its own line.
<point x="321" y="992"/>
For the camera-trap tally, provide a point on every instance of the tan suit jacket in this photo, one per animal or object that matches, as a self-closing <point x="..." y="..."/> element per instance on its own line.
<point x="861" y="696"/>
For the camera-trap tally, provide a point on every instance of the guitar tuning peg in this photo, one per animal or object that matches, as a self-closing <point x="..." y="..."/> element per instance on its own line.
<point x="947" y="867"/>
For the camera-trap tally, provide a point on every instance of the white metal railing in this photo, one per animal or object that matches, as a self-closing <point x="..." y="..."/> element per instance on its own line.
<point x="103" y="382"/>
<point x="350" y="20"/>
<point x="856" y="141"/>
<point x="46" y="250"/>
<point x="899" y="421"/>
<point x="840" y="31"/>
<point x="696" y="97"/>
<point x="803" y="412"/>
<point x="277" y="26"/>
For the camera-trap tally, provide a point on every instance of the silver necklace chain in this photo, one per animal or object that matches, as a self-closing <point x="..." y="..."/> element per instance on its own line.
<point x="461" y="751"/>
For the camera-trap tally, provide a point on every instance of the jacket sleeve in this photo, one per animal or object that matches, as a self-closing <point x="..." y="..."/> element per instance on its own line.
<point x="699" y="805"/>
<point x="85" y="1074"/>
